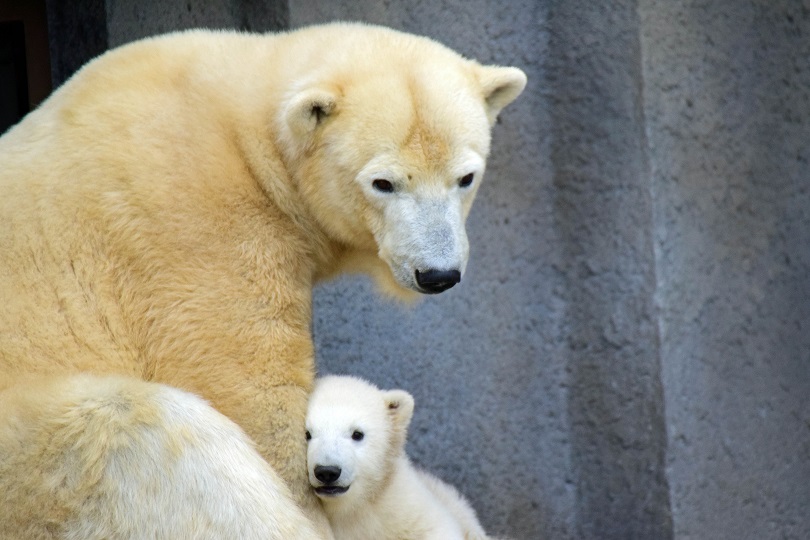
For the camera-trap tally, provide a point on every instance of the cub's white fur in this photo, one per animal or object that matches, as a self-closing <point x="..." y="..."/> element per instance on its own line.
<point x="358" y="467"/>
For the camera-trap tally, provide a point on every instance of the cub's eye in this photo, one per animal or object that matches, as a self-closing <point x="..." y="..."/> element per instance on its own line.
<point x="383" y="185"/>
<point x="466" y="180"/>
<point x="357" y="435"/>
<point x="308" y="435"/>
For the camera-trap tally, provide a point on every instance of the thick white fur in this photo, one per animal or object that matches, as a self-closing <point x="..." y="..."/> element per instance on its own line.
<point x="164" y="216"/>
<point x="387" y="497"/>
<point x="112" y="457"/>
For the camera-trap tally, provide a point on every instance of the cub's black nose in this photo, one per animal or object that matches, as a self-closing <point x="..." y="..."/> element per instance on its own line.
<point x="327" y="474"/>
<point x="436" y="281"/>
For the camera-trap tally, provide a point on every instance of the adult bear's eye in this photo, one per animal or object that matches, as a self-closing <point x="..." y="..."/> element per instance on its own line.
<point x="466" y="180"/>
<point x="357" y="435"/>
<point x="383" y="185"/>
<point x="308" y="435"/>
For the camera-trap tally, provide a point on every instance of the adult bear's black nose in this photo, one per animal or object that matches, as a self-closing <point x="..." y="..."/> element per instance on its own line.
<point x="327" y="474"/>
<point x="436" y="281"/>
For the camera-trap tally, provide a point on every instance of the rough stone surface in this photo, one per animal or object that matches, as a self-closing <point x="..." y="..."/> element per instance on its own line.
<point x="128" y="20"/>
<point x="727" y="104"/>
<point x="603" y="213"/>
<point x="628" y="355"/>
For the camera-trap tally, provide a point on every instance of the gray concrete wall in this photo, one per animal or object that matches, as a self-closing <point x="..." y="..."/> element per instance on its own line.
<point x="628" y="355"/>
<point x="128" y="20"/>
<point x="727" y="108"/>
<point x="603" y="214"/>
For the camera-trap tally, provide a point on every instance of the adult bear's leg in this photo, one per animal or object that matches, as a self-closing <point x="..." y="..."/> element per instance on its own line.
<point x="109" y="457"/>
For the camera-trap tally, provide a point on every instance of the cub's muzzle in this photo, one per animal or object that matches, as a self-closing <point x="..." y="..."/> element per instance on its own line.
<point x="329" y="475"/>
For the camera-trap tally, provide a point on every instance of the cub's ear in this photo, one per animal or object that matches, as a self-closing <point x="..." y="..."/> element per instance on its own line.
<point x="306" y="110"/>
<point x="399" y="404"/>
<point x="500" y="86"/>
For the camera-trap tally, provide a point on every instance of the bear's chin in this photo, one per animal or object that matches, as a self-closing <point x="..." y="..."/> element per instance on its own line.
<point x="331" y="491"/>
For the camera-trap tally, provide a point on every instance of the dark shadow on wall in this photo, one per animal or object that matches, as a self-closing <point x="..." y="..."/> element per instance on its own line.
<point x="261" y="15"/>
<point x="25" y="78"/>
<point x="80" y="30"/>
<point x="13" y="74"/>
<point x="77" y="32"/>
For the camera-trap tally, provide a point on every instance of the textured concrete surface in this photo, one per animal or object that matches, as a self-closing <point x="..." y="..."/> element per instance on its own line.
<point x="129" y="20"/>
<point x="604" y="210"/>
<point x="727" y="93"/>
<point x="628" y="355"/>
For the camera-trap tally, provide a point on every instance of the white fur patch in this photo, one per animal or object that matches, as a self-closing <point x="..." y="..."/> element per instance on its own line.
<point x="387" y="497"/>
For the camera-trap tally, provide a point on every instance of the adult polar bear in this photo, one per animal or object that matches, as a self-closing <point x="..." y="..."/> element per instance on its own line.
<point x="165" y="214"/>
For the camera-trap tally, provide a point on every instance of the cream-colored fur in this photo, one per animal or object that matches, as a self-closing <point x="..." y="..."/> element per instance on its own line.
<point x="377" y="494"/>
<point x="164" y="217"/>
<point x="169" y="466"/>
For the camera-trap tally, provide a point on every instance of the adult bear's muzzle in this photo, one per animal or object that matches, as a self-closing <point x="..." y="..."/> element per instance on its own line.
<point x="434" y="281"/>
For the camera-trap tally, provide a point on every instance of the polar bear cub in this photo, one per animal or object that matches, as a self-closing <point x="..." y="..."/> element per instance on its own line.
<point x="358" y="468"/>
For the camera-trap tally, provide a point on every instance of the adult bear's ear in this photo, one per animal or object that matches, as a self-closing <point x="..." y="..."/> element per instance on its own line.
<point x="306" y="110"/>
<point x="500" y="86"/>
<point x="399" y="405"/>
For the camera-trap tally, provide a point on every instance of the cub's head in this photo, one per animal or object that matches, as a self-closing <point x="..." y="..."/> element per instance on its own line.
<point x="355" y="431"/>
<point x="387" y="141"/>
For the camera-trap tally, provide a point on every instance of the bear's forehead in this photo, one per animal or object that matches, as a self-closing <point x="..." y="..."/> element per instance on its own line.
<point x="346" y="401"/>
<point x="341" y="416"/>
<point x="426" y="144"/>
<point x="425" y="110"/>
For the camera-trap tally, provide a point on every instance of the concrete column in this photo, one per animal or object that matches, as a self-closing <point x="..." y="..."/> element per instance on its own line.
<point x="603" y="214"/>
<point x="727" y="94"/>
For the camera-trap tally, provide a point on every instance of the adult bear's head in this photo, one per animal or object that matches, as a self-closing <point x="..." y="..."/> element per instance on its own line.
<point x="386" y="139"/>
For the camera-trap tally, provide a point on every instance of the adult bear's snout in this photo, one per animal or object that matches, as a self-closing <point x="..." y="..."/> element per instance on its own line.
<point x="436" y="281"/>
<point x="328" y="474"/>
